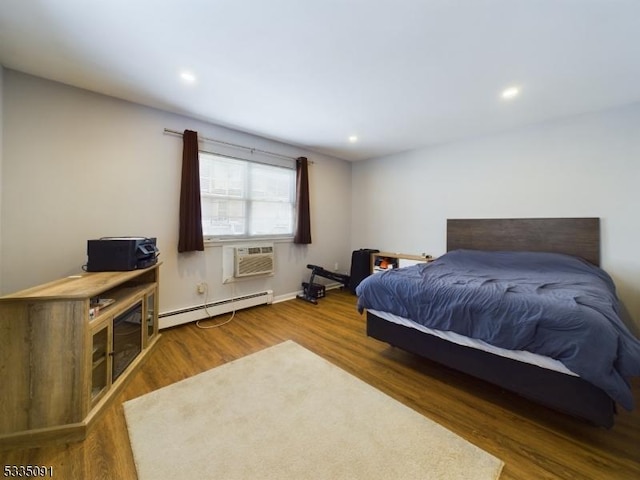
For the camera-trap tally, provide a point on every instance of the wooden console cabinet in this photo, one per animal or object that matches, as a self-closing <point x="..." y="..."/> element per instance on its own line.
<point x="61" y="360"/>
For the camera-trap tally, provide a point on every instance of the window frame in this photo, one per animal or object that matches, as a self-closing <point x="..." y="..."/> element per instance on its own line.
<point x="247" y="200"/>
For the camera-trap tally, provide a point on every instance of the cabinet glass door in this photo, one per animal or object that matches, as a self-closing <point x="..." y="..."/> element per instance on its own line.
<point x="99" y="362"/>
<point x="151" y="316"/>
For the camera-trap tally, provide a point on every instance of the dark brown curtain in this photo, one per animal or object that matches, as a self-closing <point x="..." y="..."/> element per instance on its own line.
<point x="190" y="233"/>
<point x="303" y="223"/>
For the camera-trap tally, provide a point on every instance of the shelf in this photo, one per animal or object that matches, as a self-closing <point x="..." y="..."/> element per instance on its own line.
<point x="123" y="297"/>
<point x="97" y="363"/>
<point x="395" y="260"/>
<point x="96" y="392"/>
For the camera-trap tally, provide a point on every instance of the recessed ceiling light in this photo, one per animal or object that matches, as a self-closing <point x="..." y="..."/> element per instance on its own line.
<point x="188" y="77"/>
<point x="353" y="138"/>
<point x="510" y="92"/>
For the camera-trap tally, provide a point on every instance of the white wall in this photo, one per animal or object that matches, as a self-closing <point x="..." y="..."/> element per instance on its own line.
<point x="78" y="165"/>
<point x="1" y="153"/>
<point x="581" y="166"/>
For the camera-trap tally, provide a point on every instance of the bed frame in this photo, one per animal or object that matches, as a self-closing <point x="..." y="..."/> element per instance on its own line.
<point x="568" y="394"/>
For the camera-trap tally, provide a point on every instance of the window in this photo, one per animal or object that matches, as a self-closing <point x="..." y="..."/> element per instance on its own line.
<point x="245" y="199"/>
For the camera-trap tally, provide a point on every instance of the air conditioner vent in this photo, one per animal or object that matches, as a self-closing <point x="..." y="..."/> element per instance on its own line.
<point x="253" y="260"/>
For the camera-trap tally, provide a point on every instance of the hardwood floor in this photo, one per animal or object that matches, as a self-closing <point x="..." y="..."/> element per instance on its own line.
<point x="534" y="442"/>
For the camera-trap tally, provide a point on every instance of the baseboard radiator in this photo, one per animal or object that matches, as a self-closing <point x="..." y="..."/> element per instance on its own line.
<point x="219" y="307"/>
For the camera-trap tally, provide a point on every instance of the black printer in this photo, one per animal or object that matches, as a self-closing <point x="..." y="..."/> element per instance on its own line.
<point x="112" y="254"/>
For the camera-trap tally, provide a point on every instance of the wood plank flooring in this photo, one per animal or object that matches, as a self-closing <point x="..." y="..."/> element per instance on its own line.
<point x="534" y="442"/>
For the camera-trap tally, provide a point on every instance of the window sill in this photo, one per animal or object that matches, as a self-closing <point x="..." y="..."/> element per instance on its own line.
<point x="218" y="242"/>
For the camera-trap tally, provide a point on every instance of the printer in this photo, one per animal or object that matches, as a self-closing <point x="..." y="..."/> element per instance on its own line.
<point x="111" y="254"/>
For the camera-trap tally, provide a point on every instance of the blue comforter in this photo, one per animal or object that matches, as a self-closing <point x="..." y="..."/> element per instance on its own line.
<point x="546" y="303"/>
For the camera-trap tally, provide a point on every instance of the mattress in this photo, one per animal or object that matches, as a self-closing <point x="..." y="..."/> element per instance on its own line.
<point x="549" y="304"/>
<point x="519" y="355"/>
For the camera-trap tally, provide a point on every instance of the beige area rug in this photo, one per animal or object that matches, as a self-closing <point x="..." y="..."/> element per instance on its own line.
<point x="286" y="413"/>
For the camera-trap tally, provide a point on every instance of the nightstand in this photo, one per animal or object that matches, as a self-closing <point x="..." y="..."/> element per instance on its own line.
<point x="381" y="261"/>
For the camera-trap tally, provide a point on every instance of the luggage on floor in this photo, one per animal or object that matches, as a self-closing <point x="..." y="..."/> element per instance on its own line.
<point x="360" y="266"/>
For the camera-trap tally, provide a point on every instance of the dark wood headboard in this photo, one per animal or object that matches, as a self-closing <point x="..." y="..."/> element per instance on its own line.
<point x="573" y="236"/>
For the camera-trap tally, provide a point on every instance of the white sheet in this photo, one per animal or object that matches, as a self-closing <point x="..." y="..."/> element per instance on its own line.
<point x="520" y="355"/>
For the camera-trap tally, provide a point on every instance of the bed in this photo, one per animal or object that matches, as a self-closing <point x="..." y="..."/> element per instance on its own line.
<point x="494" y="247"/>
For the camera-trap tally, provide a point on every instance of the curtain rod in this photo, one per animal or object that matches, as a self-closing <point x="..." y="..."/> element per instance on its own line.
<point x="234" y="145"/>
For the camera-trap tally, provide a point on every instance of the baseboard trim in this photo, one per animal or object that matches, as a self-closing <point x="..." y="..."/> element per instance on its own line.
<point x="197" y="312"/>
<point x="212" y="309"/>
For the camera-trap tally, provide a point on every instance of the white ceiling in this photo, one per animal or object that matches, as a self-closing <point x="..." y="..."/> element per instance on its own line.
<point x="399" y="74"/>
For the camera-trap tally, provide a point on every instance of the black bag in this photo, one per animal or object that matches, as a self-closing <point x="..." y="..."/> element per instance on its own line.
<point x="360" y="266"/>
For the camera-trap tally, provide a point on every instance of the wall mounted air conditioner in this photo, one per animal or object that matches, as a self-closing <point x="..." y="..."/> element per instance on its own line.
<point x="253" y="260"/>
